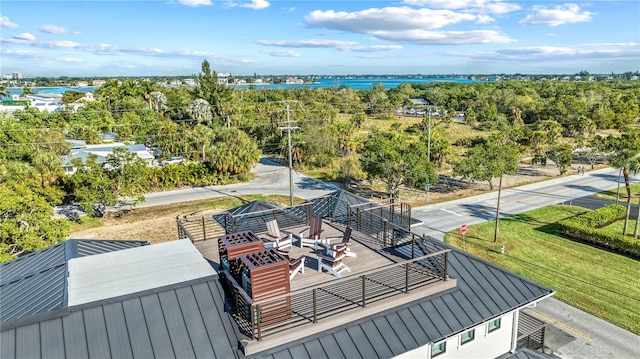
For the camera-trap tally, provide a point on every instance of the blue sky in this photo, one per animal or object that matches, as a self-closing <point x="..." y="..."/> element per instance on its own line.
<point x="243" y="37"/>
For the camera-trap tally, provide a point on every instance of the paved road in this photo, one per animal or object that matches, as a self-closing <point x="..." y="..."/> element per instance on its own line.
<point x="575" y="334"/>
<point x="271" y="179"/>
<point x="441" y="218"/>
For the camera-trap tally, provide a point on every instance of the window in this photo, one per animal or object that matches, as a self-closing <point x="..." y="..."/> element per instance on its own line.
<point x="494" y="325"/>
<point x="438" y="349"/>
<point x="467" y="336"/>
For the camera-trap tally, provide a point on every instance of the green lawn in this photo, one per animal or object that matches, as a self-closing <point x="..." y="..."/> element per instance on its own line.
<point x="597" y="281"/>
<point x="611" y="194"/>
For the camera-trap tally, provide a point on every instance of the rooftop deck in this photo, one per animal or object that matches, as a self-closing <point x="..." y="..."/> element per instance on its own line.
<point x="369" y="254"/>
<point x="381" y="277"/>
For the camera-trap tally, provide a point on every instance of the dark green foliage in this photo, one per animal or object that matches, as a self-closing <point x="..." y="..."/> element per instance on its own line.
<point x="393" y="159"/>
<point x="587" y="227"/>
<point x="26" y="208"/>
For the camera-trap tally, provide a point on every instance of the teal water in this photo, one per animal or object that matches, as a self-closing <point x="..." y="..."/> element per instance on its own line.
<point x="366" y="83"/>
<point x="355" y="83"/>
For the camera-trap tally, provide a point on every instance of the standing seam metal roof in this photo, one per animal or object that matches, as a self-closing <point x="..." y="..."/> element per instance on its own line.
<point x="185" y="321"/>
<point x="484" y="291"/>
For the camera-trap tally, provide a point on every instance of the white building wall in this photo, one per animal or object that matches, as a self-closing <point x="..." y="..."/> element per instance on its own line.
<point x="485" y="345"/>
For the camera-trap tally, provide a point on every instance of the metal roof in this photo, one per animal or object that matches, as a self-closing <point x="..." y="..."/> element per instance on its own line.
<point x="484" y="291"/>
<point x="36" y="282"/>
<point x="185" y="321"/>
<point x="253" y="216"/>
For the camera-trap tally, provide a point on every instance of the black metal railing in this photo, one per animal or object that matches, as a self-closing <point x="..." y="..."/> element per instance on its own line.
<point x="198" y="228"/>
<point x="318" y="303"/>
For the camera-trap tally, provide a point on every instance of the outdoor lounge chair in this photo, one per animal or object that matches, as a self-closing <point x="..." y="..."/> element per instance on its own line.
<point x="314" y="230"/>
<point x="295" y="266"/>
<point x="277" y="239"/>
<point x="333" y="263"/>
<point x="346" y="240"/>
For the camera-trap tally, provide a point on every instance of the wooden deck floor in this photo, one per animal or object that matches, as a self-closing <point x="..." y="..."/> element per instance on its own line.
<point x="368" y="255"/>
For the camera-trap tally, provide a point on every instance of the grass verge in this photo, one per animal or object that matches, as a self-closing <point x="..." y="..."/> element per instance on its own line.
<point x="611" y="194"/>
<point x="600" y="282"/>
<point x="147" y="213"/>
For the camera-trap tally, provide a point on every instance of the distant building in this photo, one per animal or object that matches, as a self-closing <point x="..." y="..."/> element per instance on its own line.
<point x="79" y="149"/>
<point x="43" y="102"/>
<point x="294" y="81"/>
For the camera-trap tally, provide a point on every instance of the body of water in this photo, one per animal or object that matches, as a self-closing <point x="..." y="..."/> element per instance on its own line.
<point x="364" y="83"/>
<point x="46" y="90"/>
<point x="355" y="83"/>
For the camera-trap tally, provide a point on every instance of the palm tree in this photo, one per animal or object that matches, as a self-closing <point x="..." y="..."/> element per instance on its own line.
<point x="201" y="111"/>
<point x="203" y="136"/>
<point x="26" y="91"/>
<point x="159" y="99"/>
<point x="625" y="154"/>
<point x="4" y="92"/>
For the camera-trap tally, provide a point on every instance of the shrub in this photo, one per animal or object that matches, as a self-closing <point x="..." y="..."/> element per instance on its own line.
<point x="587" y="227"/>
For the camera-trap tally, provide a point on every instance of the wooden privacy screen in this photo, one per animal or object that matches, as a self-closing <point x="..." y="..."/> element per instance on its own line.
<point x="265" y="274"/>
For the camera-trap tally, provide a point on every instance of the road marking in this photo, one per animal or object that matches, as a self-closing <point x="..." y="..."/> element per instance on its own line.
<point x="526" y="199"/>
<point x="563" y="325"/>
<point x="448" y="211"/>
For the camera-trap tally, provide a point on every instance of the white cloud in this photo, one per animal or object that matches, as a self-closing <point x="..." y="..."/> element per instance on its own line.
<point x="257" y="4"/>
<point x="385" y="19"/>
<point x="72" y="60"/>
<point x="335" y="44"/>
<point x="373" y="48"/>
<point x="5" y="22"/>
<point x="571" y="54"/>
<point x="558" y="15"/>
<point x="423" y="37"/>
<point x="322" y="43"/>
<point x="282" y="53"/>
<point x="195" y="3"/>
<point x="484" y="19"/>
<point x="19" y="53"/>
<point x="498" y="7"/>
<point x="53" y="29"/>
<point x="479" y="6"/>
<point x="58" y="44"/>
<point x="25" y="36"/>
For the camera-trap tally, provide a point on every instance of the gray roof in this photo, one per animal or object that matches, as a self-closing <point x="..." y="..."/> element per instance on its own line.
<point x="36" y="282"/>
<point x="418" y="101"/>
<point x="252" y="216"/>
<point x="185" y="321"/>
<point x="484" y="291"/>
<point x="113" y="274"/>
<point x="178" y="312"/>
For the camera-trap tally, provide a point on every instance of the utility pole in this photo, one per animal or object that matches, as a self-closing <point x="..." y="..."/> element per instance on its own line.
<point x="429" y="137"/>
<point x="289" y="128"/>
<point x="618" y="193"/>
<point x="497" y="231"/>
